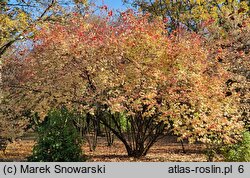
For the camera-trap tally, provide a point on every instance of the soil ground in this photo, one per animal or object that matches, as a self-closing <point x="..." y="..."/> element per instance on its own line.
<point x="165" y="150"/>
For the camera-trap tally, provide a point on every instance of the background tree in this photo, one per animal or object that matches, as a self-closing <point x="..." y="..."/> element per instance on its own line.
<point x="191" y="14"/>
<point x="19" y="17"/>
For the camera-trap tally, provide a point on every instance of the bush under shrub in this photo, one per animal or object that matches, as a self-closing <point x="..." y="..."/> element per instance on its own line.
<point x="239" y="152"/>
<point x="58" y="139"/>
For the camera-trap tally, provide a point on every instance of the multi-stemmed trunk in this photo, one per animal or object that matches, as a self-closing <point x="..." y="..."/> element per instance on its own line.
<point x="139" y="134"/>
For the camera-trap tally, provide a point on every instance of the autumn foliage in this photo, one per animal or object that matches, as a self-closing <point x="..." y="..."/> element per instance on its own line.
<point x="126" y="67"/>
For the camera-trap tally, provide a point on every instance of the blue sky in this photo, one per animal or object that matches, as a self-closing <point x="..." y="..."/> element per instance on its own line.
<point x="114" y="4"/>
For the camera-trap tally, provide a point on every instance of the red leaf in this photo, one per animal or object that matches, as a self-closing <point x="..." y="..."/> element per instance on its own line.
<point x="165" y="20"/>
<point x="110" y="13"/>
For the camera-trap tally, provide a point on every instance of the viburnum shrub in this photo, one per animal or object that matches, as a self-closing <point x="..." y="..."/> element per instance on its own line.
<point x="239" y="152"/>
<point x="130" y="67"/>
